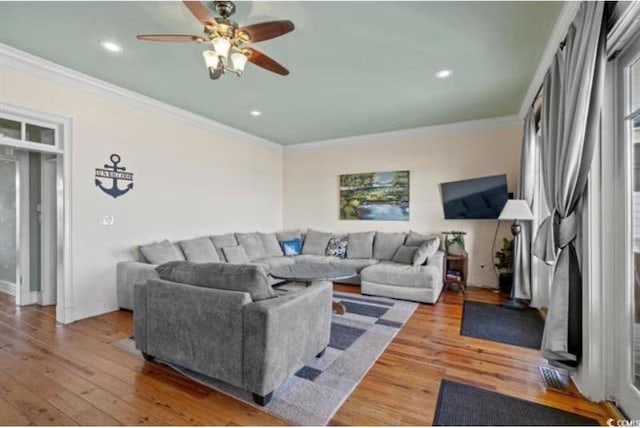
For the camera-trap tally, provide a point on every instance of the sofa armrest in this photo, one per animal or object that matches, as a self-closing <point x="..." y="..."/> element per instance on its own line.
<point x="198" y="328"/>
<point x="437" y="261"/>
<point x="283" y="334"/>
<point x="129" y="274"/>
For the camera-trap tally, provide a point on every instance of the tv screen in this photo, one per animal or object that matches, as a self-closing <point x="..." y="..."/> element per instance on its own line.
<point x="478" y="198"/>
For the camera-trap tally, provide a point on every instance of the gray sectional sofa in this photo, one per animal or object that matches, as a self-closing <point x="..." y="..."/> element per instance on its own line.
<point x="385" y="262"/>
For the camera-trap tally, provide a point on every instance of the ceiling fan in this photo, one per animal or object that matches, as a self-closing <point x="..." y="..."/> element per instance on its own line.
<point x="230" y="51"/>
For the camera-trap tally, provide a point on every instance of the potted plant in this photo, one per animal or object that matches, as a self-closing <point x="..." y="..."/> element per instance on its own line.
<point x="454" y="243"/>
<point x="504" y="265"/>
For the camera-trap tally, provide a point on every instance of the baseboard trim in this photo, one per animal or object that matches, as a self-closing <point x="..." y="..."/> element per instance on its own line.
<point x="7" y="287"/>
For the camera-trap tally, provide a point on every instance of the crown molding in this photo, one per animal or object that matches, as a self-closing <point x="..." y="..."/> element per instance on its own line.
<point x="385" y="137"/>
<point x="559" y="32"/>
<point x="23" y="61"/>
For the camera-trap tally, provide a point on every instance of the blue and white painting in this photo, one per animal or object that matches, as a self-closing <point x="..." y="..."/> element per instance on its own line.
<point x="375" y="196"/>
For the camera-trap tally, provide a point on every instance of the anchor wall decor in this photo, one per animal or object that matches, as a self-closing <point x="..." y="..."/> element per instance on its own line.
<point x="115" y="173"/>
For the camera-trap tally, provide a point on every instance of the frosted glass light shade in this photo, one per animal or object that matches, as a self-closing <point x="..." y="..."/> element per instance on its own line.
<point x="516" y="209"/>
<point x="211" y="59"/>
<point x="221" y="46"/>
<point x="239" y="60"/>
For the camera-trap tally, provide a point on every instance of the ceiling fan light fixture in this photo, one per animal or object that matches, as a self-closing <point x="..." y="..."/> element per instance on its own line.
<point x="239" y="60"/>
<point x="221" y="45"/>
<point x="211" y="59"/>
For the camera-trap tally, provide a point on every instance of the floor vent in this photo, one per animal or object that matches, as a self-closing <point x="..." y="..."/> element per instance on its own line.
<point x="553" y="379"/>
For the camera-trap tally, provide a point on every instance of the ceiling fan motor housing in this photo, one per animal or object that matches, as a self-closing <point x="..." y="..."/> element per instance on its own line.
<point x="224" y="8"/>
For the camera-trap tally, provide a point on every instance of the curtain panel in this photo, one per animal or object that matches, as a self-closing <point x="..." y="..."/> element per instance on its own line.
<point x="572" y="100"/>
<point x="526" y="190"/>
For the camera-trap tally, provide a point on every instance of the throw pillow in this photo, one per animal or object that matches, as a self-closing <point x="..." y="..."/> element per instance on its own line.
<point x="385" y="245"/>
<point x="415" y="239"/>
<point x="337" y="246"/>
<point x="316" y="242"/>
<point x="221" y="241"/>
<point x="236" y="255"/>
<point x="291" y="247"/>
<point x="270" y="244"/>
<point x="288" y="235"/>
<point x="426" y="250"/>
<point x="360" y="245"/>
<point x="252" y="245"/>
<point x="200" y="250"/>
<point x="161" y="252"/>
<point x="405" y="255"/>
<point x="244" y="278"/>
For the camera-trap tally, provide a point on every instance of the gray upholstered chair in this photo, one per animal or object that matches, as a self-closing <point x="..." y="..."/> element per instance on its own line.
<point x="226" y="322"/>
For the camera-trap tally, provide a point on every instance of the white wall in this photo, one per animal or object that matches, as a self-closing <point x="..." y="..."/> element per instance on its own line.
<point x="433" y="155"/>
<point x="189" y="181"/>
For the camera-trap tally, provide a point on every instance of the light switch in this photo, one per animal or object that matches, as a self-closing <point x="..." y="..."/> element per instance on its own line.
<point x="108" y="220"/>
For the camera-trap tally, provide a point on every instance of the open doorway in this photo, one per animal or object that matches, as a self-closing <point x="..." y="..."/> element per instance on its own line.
<point x="28" y="232"/>
<point x="34" y="225"/>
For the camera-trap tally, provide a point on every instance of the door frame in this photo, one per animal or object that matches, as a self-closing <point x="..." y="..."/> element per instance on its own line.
<point x="616" y="252"/>
<point x="62" y="150"/>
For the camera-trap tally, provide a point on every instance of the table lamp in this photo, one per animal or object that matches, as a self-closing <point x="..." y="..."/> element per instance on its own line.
<point x="516" y="210"/>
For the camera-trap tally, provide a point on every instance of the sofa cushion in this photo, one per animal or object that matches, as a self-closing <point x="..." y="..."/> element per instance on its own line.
<point x="245" y="278"/>
<point x="200" y="250"/>
<point x="161" y="252"/>
<point x="385" y="245"/>
<point x="426" y="250"/>
<point x="337" y="246"/>
<point x="221" y="241"/>
<point x="405" y="254"/>
<point x="288" y="235"/>
<point x="415" y="239"/>
<point x="356" y="264"/>
<point x="236" y="255"/>
<point x="270" y="244"/>
<point x="292" y="247"/>
<point x="402" y="275"/>
<point x="360" y="245"/>
<point x="252" y="245"/>
<point x="316" y="243"/>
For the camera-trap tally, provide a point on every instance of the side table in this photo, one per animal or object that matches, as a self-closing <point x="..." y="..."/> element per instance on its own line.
<point x="459" y="263"/>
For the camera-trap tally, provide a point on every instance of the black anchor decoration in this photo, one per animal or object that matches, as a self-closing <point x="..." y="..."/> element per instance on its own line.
<point x="116" y="173"/>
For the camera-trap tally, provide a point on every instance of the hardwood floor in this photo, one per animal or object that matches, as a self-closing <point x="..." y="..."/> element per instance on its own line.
<point x="74" y="375"/>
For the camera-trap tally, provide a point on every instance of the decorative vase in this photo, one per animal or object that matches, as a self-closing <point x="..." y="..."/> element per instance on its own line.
<point x="505" y="282"/>
<point x="455" y="250"/>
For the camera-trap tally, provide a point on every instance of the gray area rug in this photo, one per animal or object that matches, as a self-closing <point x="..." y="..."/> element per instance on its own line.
<point x="493" y="322"/>
<point x="465" y="405"/>
<point x="315" y="393"/>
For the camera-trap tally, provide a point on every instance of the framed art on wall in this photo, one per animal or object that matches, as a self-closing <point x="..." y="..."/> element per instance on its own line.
<point x="375" y="196"/>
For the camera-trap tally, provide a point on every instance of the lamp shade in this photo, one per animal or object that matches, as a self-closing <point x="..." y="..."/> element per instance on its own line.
<point x="516" y="209"/>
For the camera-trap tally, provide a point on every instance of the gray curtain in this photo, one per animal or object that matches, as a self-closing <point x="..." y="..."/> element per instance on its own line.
<point x="526" y="189"/>
<point x="572" y="99"/>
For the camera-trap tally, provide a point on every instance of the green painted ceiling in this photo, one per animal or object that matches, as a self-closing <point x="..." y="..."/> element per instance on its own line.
<point x="356" y="67"/>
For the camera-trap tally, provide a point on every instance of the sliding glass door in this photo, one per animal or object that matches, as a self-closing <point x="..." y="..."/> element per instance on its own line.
<point x="627" y="292"/>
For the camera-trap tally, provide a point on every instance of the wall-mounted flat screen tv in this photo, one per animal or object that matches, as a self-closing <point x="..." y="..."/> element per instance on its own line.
<point x="478" y="198"/>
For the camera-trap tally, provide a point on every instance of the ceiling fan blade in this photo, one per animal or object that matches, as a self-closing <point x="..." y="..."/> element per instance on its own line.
<point x="175" y="38"/>
<point x="267" y="30"/>
<point x="201" y="13"/>
<point x="261" y="60"/>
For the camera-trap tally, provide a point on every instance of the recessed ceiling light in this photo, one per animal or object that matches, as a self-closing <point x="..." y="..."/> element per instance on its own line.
<point x="111" y="46"/>
<point x="443" y="74"/>
<point x="256" y="113"/>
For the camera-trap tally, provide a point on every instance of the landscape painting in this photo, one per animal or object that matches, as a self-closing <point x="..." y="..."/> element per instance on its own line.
<point x="375" y="196"/>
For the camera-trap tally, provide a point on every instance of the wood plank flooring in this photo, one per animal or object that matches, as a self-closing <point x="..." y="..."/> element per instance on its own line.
<point x="74" y="375"/>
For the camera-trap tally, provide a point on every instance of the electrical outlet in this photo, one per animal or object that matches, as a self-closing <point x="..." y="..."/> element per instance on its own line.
<point x="108" y="220"/>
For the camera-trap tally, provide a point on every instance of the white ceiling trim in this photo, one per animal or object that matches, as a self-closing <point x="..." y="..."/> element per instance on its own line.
<point x="560" y="28"/>
<point x="386" y="137"/>
<point x="20" y="60"/>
